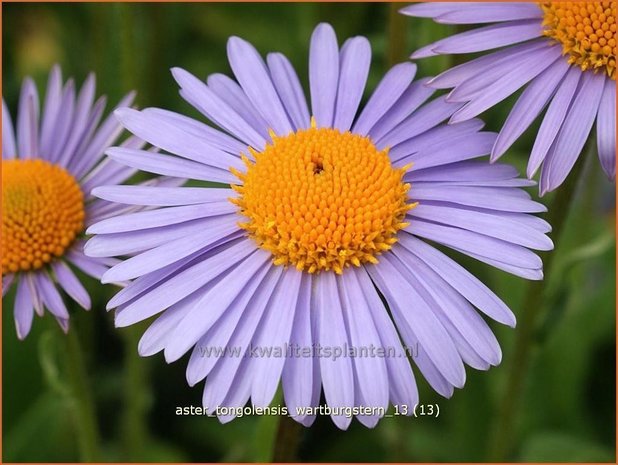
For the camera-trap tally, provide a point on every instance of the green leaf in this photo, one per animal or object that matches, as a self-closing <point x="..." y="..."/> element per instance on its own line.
<point x="40" y="434"/>
<point x="553" y="446"/>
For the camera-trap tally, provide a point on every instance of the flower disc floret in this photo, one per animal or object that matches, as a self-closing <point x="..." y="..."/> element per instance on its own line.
<point x="587" y="32"/>
<point x="321" y="199"/>
<point x="42" y="213"/>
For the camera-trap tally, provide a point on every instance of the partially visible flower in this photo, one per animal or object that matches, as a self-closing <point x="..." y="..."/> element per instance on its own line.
<point x="565" y="52"/>
<point x="49" y="166"/>
<point x="326" y="216"/>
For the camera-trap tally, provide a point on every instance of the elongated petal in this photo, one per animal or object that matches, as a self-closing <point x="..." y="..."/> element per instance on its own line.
<point x="410" y="307"/>
<point x="371" y="371"/>
<point x="50" y="295"/>
<point x="506" y="85"/>
<point x="275" y="330"/>
<point x="238" y="394"/>
<point x="606" y="129"/>
<point x="479" y="68"/>
<point x="573" y="134"/>
<point x="489" y="37"/>
<point x="71" y="285"/>
<point x="63" y="122"/>
<point x="222" y="297"/>
<point x="420" y="121"/>
<point x="464" y="171"/>
<point x="297" y="376"/>
<point x="413" y="97"/>
<point x="105" y="135"/>
<point x="156" y="337"/>
<point x="289" y="89"/>
<point x="7" y="281"/>
<point x="24" y="309"/>
<point x="228" y="90"/>
<point x="483" y="197"/>
<point x="131" y="242"/>
<point x="252" y="74"/>
<point x="388" y="91"/>
<point x="169" y="165"/>
<point x="53" y="98"/>
<point x="535" y="274"/>
<point x="434" y="303"/>
<point x="355" y="59"/>
<point x="553" y="119"/>
<point x="148" y="282"/>
<point x="421" y="358"/>
<point x="461" y="280"/>
<point x="212" y="136"/>
<point x="93" y="267"/>
<point x="206" y="101"/>
<point x="82" y="140"/>
<point x="221" y="381"/>
<point x="401" y="383"/>
<point x="184" y="283"/>
<point x="435" y="137"/>
<point x="172" y="138"/>
<point x="160" y="217"/>
<point x="451" y="150"/>
<point x="454" y="307"/>
<point x="479" y="244"/>
<point x="323" y="74"/>
<point x="337" y="372"/>
<point x="28" y="121"/>
<point x="35" y="293"/>
<point x="9" y="149"/>
<point x="475" y="13"/>
<point x="168" y="253"/>
<point x="220" y="349"/>
<point x="497" y="70"/>
<point x="83" y="107"/>
<point x="430" y="10"/>
<point x="531" y="102"/>
<point x="483" y="223"/>
<point x="162" y="196"/>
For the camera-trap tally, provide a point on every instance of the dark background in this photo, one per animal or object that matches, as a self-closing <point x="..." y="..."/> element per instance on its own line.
<point x="568" y="409"/>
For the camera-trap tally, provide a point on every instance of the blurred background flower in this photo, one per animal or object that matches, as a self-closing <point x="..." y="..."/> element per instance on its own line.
<point x="567" y="412"/>
<point x="49" y="165"/>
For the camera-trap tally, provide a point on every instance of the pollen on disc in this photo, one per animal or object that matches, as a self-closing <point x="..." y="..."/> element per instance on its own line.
<point x="320" y="199"/>
<point x="586" y="31"/>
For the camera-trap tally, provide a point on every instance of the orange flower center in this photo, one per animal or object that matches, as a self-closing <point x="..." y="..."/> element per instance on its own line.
<point x="42" y="213"/>
<point x="587" y="32"/>
<point x="320" y="199"/>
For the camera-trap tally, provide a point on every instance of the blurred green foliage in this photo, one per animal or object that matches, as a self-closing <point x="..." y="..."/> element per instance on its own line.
<point x="568" y="410"/>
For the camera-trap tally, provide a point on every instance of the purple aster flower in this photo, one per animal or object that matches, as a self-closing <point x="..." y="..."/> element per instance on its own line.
<point x="564" y="53"/>
<point x="326" y="216"/>
<point x="49" y="166"/>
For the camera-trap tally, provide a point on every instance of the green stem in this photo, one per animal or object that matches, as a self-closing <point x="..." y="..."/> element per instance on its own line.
<point x="287" y="440"/>
<point x="397" y="50"/>
<point x="83" y="409"/>
<point x="137" y="398"/>
<point x="137" y="391"/>
<point x="128" y="26"/>
<point x="278" y="438"/>
<point x="535" y="302"/>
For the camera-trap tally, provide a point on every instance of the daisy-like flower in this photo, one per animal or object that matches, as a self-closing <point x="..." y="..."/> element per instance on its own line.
<point x="564" y="53"/>
<point x="282" y="275"/>
<point x="49" y="166"/>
